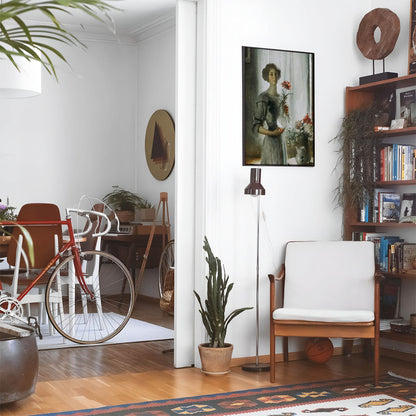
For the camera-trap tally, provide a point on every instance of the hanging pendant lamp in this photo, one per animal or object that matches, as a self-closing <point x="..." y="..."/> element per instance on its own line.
<point x="22" y="83"/>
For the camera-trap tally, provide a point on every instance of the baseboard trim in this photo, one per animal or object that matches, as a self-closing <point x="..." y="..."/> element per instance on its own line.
<point x="148" y="298"/>
<point x="293" y="356"/>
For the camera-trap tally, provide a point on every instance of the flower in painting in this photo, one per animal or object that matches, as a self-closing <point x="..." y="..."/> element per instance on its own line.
<point x="286" y="86"/>
<point x="299" y="140"/>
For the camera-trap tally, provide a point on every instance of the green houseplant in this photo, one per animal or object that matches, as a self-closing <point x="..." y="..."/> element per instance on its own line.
<point x="216" y="355"/>
<point x="357" y="155"/>
<point x="125" y="203"/>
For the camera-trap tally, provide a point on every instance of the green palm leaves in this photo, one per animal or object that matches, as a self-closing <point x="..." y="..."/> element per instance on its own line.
<point x="34" y="41"/>
<point x="218" y="290"/>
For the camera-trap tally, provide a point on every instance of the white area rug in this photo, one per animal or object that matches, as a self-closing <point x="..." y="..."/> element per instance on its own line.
<point x="134" y="331"/>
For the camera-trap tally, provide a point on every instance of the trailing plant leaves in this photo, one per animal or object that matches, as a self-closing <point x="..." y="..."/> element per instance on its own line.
<point x="357" y="155"/>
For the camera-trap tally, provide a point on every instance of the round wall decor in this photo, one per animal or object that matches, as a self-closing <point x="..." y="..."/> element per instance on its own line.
<point x="389" y="25"/>
<point x="160" y="144"/>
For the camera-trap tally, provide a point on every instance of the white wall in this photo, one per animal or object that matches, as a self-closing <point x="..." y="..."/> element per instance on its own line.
<point x="299" y="201"/>
<point x="156" y="91"/>
<point x="78" y="136"/>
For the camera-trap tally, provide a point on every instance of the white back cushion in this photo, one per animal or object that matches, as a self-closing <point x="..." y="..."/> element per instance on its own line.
<point x="335" y="275"/>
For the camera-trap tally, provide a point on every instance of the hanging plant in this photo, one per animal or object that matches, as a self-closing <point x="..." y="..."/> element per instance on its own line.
<point x="358" y="156"/>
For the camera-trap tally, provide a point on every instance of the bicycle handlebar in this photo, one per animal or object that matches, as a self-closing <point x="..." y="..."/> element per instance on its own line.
<point x="87" y="214"/>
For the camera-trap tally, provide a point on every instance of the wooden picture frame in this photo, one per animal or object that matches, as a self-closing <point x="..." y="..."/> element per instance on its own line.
<point x="412" y="38"/>
<point x="278" y="107"/>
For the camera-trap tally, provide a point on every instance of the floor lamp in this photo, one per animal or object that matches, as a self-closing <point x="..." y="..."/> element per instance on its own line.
<point x="256" y="189"/>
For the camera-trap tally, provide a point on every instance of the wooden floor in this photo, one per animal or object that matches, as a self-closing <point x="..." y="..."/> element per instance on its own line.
<point x="88" y="377"/>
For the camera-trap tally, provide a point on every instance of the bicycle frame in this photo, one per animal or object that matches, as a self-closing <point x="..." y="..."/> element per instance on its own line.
<point x="70" y="245"/>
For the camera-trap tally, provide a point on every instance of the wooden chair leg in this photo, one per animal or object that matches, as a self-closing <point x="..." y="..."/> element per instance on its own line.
<point x="376" y="359"/>
<point x="285" y="349"/>
<point x="272" y="355"/>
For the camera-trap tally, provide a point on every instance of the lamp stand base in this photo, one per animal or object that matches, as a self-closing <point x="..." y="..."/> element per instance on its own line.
<point x="253" y="367"/>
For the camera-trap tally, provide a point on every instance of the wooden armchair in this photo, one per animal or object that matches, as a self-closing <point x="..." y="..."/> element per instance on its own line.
<point x="330" y="289"/>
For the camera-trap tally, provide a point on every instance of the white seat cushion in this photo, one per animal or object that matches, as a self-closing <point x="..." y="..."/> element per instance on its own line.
<point x="323" y="315"/>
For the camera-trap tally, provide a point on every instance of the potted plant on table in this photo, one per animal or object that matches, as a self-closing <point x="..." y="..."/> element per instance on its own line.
<point x="123" y="202"/>
<point x="216" y="354"/>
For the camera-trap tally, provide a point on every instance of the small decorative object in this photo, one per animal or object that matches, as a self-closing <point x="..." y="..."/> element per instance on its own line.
<point x="319" y="350"/>
<point x="413" y="320"/>
<point x="124" y="203"/>
<point x="255" y="188"/>
<point x="397" y="123"/>
<point x="278" y="107"/>
<point x="160" y="144"/>
<point x="412" y="38"/>
<point x="213" y="317"/>
<point x="400" y="326"/>
<point x="389" y="25"/>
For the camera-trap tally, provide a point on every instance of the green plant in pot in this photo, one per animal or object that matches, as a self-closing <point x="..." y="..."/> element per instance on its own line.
<point x="216" y="355"/>
<point x="123" y="202"/>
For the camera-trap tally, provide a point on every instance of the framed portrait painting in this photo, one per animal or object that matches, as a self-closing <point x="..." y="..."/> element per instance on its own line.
<point x="412" y="38"/>
<point x="278" y="107"/>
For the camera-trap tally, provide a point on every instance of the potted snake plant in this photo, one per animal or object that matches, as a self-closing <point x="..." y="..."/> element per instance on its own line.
<point x="216" y="354"/>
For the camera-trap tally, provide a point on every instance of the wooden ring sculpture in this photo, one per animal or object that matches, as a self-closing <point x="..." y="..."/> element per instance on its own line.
<point x="389" y="25"/>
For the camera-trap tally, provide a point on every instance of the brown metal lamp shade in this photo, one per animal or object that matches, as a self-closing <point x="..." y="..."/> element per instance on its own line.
<point x="255" y="187"/>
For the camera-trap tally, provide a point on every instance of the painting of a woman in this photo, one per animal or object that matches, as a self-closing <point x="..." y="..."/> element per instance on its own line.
<point x="278" y="107"/>
<point x="269" y="106"/>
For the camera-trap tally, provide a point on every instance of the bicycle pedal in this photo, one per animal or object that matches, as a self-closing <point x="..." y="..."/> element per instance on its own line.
<point x="35" y="325"/>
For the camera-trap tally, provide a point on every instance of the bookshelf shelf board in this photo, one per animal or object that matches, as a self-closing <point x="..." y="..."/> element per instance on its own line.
<point x="384" y="224"/>
<point x="402" y="275"/>
<point x="394" y="183"/>
<point x="399" y="82"/>
<point x="408" y="338"/>
<point x="407" y="131"/>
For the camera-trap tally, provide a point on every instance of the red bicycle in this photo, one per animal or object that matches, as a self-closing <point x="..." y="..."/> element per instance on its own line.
<point x="89" y="295"/>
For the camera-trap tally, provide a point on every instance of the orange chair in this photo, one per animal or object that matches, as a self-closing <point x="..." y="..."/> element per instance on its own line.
<point x="46" y="241"/>
<point x="330" y="290"/>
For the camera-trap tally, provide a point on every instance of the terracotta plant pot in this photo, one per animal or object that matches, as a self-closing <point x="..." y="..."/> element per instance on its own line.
<point x="215" y="361"/>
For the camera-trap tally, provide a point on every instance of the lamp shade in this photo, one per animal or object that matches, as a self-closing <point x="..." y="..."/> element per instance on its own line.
<point x="25" y="82"/>
<point x="255" y="187"/>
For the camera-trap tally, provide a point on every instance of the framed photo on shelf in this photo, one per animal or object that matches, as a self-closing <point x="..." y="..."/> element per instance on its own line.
<point x="412" y="38"/>
<point x="278" y="107"/>
<point x="406" y="105"/>
<point x="408" y="208"/>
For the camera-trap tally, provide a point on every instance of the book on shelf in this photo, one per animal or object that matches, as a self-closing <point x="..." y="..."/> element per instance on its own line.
<point x="397" y="162"/>
<point x="408" y="208"/>
<point x="389" y="207"/>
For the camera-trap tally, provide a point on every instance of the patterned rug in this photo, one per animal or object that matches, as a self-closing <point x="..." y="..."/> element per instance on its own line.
<point x="349" y="397"/>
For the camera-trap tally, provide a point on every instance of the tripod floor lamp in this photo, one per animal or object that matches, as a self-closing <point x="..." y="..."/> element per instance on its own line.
<point x="256" y="189"/>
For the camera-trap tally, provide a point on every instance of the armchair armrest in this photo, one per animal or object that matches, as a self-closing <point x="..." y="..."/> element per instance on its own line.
<point x="273" y="278"/>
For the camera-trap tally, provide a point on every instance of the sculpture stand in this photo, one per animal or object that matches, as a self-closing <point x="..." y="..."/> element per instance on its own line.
<point x="381" y="76"/>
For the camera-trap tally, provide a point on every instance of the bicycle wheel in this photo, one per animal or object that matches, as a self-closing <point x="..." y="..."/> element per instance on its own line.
<point x="166" y="262"/>
<point x="84" y="319"/>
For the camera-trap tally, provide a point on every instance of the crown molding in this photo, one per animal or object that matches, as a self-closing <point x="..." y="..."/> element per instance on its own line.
<point x="108" y="33"/>
<point x="154" y="28"/>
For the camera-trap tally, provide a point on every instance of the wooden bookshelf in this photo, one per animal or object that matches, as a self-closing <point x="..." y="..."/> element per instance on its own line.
<point x="361" y="97"/>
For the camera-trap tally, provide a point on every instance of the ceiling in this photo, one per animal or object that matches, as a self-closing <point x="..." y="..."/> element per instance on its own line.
<point x="138" y="14"/>
<point x="130" y="17"/>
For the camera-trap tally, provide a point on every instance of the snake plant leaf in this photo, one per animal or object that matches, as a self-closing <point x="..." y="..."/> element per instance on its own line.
<point x="213" y="309"/>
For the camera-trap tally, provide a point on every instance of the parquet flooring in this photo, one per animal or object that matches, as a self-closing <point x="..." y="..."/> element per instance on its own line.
<point x="89" y="377"/>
